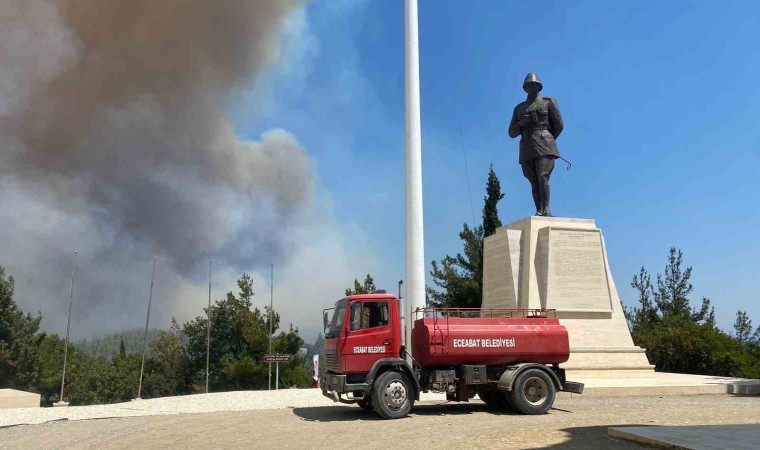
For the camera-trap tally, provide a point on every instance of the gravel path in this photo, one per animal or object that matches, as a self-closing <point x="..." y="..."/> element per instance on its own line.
<point x="576" y="423"/>
<point x="188" y="404"/>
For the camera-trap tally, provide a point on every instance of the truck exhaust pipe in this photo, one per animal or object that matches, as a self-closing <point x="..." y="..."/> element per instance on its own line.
<point x="402" y="317"/>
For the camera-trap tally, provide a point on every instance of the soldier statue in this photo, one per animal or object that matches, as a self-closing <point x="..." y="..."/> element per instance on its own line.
<point x="538" y="123"/>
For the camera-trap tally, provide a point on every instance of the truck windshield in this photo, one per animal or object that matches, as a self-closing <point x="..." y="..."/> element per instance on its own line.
<point x="336" y="324"/>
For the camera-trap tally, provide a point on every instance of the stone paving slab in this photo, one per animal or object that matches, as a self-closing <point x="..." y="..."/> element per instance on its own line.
<point x="735" y="437"/>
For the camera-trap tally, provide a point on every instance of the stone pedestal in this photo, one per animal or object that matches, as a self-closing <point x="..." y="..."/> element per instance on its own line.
<point x="11" y="398"/>
<point x="561" y="263"/>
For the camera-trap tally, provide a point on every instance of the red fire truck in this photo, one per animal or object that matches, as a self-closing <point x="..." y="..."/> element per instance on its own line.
<point x="510" y="358"/>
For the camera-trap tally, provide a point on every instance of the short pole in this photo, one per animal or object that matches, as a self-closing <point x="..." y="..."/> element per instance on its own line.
<point x="277" y="377"/>
<point x="68" y="324"/>
<point x="145" y="335"/>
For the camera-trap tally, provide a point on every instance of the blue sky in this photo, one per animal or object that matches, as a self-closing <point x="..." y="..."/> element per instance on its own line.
<point x="660" y="102"/>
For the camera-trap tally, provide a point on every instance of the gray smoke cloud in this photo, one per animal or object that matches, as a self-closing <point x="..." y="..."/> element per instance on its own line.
<point x="112" y="124"/>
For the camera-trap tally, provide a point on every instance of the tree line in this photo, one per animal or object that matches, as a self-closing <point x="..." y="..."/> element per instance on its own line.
<point x="32" y="360"/>
<point x="130" y="340"/>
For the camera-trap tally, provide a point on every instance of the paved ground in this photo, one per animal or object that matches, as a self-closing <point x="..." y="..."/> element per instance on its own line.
<point x="709" y="437"/>
<point x="574" y="423"/>
<point x="188" y="404"/>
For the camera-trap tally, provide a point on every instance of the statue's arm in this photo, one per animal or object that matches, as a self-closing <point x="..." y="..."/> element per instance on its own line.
<point x="555" y="119"/>
<point x="514" y="128"/>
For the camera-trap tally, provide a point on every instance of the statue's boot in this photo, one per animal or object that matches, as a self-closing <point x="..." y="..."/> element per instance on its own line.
<point x="544" y="168"/>
<point x="545" y="193"/>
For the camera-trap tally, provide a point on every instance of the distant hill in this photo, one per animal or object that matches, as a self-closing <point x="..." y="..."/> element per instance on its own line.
<point x="109" y="345"/>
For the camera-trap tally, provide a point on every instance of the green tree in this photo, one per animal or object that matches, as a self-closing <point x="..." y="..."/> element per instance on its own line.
<point x="677" y="345"/>
<point x="743" y="329"/>
<point x="50" y="365"/>
<point x="168" y="364"/>
<point x="359" y="288"/>
<point x="96" y="380"/>
<point x="19" y="340"/>
<point x="645" y="316"/>
<point x="126" y="377"/>
<point x="245" y="284"/>
<point x="459" y="279"/>
<point x="672" y="294"/>
<point x="490" y="210"/>
<point x="669" y="299"/>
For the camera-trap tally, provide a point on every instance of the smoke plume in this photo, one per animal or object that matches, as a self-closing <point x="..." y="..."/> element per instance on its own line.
<point x="114" y="140"/>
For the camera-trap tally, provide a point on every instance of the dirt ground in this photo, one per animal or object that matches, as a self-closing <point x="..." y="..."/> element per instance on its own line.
<point x="573" y="423"/>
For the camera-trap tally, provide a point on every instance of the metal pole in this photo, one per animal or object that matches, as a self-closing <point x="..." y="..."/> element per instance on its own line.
<point x="208" y="322"/>
<point x="271" y="320"/>
<point x="402" y="313"/>
<point x="277" y="377"/>
<point x="415" y="240"/>
<point x="145" y="335"/>
<point x="68" y="323"/>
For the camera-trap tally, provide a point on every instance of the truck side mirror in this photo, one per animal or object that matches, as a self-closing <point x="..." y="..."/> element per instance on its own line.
<point x="324" y="320"/>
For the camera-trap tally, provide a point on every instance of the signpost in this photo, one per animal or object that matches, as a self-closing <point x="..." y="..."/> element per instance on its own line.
<point x="277" y="358"/>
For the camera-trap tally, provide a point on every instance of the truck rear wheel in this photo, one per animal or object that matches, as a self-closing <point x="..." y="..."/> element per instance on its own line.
<point x="533" y="392"/>
<point x="392" y="395"/>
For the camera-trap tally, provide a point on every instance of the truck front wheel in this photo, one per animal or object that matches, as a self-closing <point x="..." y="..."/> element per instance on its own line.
<point x="392" y="395"/>
<point x="533" y="392"/>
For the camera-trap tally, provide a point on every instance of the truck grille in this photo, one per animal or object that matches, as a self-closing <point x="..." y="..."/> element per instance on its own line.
<point x="331" y="360"/>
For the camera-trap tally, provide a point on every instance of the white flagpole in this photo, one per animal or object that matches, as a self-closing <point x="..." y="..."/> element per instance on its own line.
<point x="415" y="239"/>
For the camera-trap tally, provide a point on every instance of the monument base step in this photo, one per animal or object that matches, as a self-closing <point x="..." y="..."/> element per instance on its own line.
<point x="602" y="361"/>
<point x="663" y="383"/>
<point x="582" y="375"/>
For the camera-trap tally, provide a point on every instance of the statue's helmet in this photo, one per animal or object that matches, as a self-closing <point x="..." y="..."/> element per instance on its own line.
<point x="532" y="78"/>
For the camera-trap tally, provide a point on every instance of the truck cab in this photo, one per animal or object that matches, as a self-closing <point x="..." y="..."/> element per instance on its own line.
<point x="362" y="342"/>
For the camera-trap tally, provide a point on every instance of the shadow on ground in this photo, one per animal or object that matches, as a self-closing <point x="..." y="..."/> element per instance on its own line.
<point x="353" y="413"/>
<point x="594" y="437"/>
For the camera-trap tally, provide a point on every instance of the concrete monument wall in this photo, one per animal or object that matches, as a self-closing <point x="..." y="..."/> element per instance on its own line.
<point x="561" y="263"/>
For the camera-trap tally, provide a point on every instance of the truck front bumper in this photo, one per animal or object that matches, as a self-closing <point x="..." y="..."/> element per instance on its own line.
<point x="334" y="386"/>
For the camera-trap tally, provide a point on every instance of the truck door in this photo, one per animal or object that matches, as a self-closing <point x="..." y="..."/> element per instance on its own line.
<point x="370" y="335"/>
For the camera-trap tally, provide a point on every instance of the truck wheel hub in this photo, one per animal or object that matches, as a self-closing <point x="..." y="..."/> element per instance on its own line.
<point x="535" y="390"/>
<point x="395" y="394"/>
